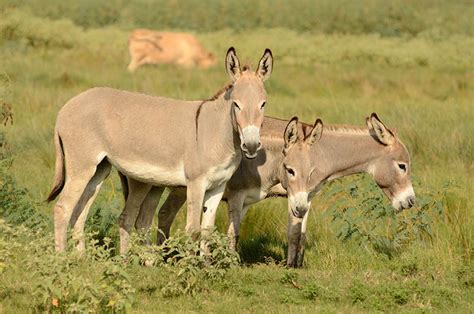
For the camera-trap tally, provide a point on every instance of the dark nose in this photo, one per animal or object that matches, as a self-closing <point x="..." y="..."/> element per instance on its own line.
<point x="300" y="211"/>
<point x="411" y="201"/>
<point x="251" y="148"/>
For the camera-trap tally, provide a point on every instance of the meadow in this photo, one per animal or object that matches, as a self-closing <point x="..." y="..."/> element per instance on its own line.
<point x="412" y="63"/>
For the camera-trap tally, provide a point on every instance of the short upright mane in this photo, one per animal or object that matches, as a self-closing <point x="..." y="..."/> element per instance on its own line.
<point x="342" y="128"/>
<point x="221" y="91"/>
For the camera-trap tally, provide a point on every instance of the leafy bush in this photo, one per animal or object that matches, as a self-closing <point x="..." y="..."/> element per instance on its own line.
<point x="189" y="267"/>
<point x="76" y="282"/>
<point x="388" y="18"/>
<point x="38" y="32"/>
<point x="358" y="213"/>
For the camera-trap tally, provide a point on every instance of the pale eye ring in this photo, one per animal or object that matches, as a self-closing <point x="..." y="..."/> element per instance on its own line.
<point x="402" y="167"/>
<point x="290" y="171"/>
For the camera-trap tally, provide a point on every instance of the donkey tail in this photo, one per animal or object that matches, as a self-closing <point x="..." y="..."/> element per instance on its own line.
<point x="59" y="171"/>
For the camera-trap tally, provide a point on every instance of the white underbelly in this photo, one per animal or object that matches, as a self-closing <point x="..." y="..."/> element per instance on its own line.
<point x="152" y="173"/>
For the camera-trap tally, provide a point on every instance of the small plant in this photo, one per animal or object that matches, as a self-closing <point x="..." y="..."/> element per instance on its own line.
<point x="191" y="267"/>
<point x="290" y="276"/>
<point x="359" y="213"/>
<point x="79" y="282"/>
<point x="312" y="291"/>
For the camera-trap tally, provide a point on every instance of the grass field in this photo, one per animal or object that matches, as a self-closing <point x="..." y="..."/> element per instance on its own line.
<point x="418" y="75"/>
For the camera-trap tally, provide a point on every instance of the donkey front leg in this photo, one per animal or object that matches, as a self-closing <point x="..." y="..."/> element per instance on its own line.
<point x="302" y="242"/>
<point x="236" y="213"/>
<point x="195" y="192"/>
<point x="137" y="193"/>
<point x="211" y="202"/>
<point x="294" y="234"/>
<point x="168" y="212"/>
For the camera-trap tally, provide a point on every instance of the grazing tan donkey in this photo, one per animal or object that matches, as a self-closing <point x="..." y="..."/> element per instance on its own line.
<point x="155" y="141"/>
<point x="342" y="151"/>
<point x="151" y="47"/>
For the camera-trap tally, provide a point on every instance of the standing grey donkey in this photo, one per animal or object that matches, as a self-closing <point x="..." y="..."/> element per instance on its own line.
<point x="155" y="141"/>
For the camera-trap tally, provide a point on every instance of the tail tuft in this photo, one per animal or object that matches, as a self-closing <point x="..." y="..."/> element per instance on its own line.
<point x="59" y="172"/>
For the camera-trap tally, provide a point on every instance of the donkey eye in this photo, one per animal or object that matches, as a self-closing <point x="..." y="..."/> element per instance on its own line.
<point x="235" y="105"/>
<point x="263" y="105"/>
<point x="290" y="171"/>
<point x="402" y="167"/>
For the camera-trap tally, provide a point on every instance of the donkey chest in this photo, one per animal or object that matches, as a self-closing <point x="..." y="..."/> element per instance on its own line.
<point x="219" y="174"/>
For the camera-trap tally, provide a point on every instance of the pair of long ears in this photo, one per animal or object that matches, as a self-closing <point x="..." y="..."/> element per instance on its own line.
<point x="379" y="131"/>
<point x="232" y="65"/>
<point x="291" y="133"/>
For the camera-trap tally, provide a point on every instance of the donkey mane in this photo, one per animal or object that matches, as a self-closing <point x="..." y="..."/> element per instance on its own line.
<point x="343" y="128"/>
<point x="219" y="93"/>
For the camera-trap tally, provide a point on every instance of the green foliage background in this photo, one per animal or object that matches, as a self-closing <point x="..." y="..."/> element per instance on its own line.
<point x="411" y="62"/>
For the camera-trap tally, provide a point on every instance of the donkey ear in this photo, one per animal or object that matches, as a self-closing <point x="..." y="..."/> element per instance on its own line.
<point x="265" y="65"/>
<point x="291" y="132"/>
<point x="232" y="64"/>
<point x="379" y="130"/>
<point x="316" y="133"/>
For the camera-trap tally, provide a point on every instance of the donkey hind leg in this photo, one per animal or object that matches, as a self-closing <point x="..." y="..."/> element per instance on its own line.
<point x="81" y="210"/>
<point x="137" y="193"/>
<point x="195" y="192"/>
<point x="148" y="209"/>
<point x="211" y="202"/>
<point x="168" y="212"/>
<point x="74" y="188"/>
<point x="235" y="210"/>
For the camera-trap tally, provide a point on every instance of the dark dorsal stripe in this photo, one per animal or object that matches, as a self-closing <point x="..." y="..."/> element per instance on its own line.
<point x="150" y="41"/>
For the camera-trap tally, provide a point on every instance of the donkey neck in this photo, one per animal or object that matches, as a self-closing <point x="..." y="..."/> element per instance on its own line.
<point x="215" y="126"/>
<point x="345" y="150"/>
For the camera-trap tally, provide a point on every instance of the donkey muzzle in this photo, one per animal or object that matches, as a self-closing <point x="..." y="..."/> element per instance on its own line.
<point x="405" y="199"/>
<point x="250" y="141"/>
<point x="299" y="204"/>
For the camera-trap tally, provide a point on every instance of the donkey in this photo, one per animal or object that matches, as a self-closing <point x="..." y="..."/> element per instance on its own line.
<point x="342" y="151"/>
<point x="155" y="141"/>
<point x="282" y="161"/>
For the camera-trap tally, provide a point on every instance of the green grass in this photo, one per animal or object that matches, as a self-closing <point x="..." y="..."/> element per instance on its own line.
<point x="422" y="85"/>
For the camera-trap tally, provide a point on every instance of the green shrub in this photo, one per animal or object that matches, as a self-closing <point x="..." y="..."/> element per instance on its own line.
<point x="388" y="18"/>
<point x="358" y="213"/>
<point x="191" y="268"/>
<point x="38" y="32"/>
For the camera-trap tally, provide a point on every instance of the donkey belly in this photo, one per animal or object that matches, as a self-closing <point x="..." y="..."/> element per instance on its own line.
<point x="254" y="195"/>
<point x="151" y="173"/>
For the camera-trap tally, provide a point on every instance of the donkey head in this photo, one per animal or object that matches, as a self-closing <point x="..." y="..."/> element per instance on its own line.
<point x="248" y="99"/>
<point x="391" y="172"/>
<point x="298" y="166"/>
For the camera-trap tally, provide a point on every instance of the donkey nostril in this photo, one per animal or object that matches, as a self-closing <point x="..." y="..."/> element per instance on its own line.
<point x="244" y="147"/>
<point x="411" y="201"/>
<point x="259" y="146"/>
